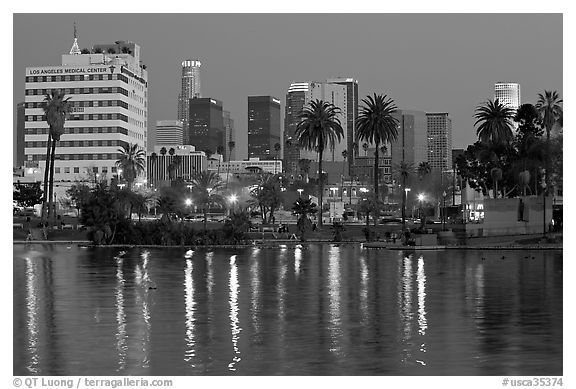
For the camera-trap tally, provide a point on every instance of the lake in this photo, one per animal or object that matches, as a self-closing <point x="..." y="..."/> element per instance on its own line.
<point x="314" y="309"/>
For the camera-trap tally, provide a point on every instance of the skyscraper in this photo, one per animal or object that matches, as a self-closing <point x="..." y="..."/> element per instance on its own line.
<point x="206" y="124"/>
<point x="295" y="101"/>
<point x="508" y="93"/>
<point x="301" y="94"/>
<point x="439" y="140"/>
<point x="352" y="113"/>
<point x="263" y="126"/>
<point x="168" y="132"/>
<point x="190" y="89"/>
<point x="108" y="90"/>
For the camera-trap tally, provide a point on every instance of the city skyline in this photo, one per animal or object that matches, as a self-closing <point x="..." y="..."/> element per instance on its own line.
<point x="433" y="63"/>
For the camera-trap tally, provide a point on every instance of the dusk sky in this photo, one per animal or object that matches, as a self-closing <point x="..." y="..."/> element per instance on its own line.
<point x="428" y="62"/>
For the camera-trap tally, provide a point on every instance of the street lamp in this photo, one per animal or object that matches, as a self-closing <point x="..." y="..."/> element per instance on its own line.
<point x="232" y="199"/>
<point x="406" y="190"/>
<point x="421" y="198"/>
<point x="300" y="192"/>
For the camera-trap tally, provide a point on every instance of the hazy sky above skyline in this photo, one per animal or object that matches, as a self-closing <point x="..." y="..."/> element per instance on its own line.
<point x="428" y="62"/>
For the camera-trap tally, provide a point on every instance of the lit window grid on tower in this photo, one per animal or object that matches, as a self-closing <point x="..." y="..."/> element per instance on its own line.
<point x="439" y="141"/>
<point x="109" y="110"/>
<point x="190" y="88"/>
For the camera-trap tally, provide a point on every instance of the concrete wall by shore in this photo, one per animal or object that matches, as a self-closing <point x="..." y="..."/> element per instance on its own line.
<point x="517" y="216"/>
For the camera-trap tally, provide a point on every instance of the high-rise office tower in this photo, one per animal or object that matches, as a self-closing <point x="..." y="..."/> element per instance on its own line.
<point x="295" y="101"/>
<point x="410" y="146"/>
<point x="108" y="90"/>
<point x="352" y="113"/>
<point x="439" y="140"/>
<point x="229" y="154"/>
<point x="263" y="126"/>
<point x="20" y="129"/>
<point x="508" y="93"/>
<point x="301" y="94"/>
<point x="206" y="124"/>
<point x="190" y="89"/>
<point x="169" y="132"/>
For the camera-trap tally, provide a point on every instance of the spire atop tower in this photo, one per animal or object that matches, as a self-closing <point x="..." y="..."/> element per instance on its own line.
<point x="75" y="49"/>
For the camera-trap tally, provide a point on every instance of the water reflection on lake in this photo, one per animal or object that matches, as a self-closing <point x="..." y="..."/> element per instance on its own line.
<point x="291" y="310"/>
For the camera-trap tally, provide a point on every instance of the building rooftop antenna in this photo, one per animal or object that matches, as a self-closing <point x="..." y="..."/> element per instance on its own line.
<point x="75" y="49"/>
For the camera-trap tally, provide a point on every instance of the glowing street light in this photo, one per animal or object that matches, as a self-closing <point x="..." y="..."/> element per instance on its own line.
<point x="188" y="202"/>
<point x="300" y="191"/>
<point x="421" y="197"/>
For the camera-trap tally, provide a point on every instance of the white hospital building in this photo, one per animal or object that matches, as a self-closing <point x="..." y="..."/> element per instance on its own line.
<point x="108" y="89"/>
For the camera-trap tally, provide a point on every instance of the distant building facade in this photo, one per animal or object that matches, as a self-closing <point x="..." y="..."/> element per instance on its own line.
<point x="263" y="126"/>
<point x="351" y="114"/>
<point x="108" y="90"/>
<point x="508" y="93"/>
<point x="189" y="89"/>
<point x="439" y="140"/>
<point x="169" y="132"/>
<point x="251" y="165"/>
<point x="299" y="95"/>
<point x="206" y="124"/>
<point x="20" y="130"/>
<point x="229" y="136"/>
<point x="164" y="168"/>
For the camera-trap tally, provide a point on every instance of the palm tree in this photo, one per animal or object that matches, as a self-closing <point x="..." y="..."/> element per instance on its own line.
<point x="365" y="148"/>
<point x="56" y="108"/>
<point x="303" y="208"/>
<point x="304" y="166"/>
<point x="231" y="146"/>
<point x="163" y="151"/>
<point x="550" y="110"/>
<point x="404" y="169"/>
<point x="153" y="162"/>
<point x="376" y="125"/>
<point x="495" y="121"/>
<point x="424" y="168"/>
<point x="173" y="166"/>
<point x="319" y="127"/>
<point x="205" y="189"/>
<point x="132" y="161"/>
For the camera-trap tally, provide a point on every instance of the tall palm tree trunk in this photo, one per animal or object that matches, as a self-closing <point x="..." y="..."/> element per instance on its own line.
<point x="403" y="203"/>
<point x="376" y="171"/>
<point x="320" y="185"/>
<point x="228" y="172"/>
<point x="51" y="211"/>
<point x="46" y="176"/>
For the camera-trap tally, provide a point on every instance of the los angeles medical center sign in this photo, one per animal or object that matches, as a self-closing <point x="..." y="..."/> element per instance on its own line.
<point x="48" y="71"/>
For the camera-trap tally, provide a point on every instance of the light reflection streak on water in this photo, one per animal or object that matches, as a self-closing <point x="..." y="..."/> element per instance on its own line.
<point x="234" y="322"/>
<point x="144" y="298"/>
<point x="480" y="290"/>
<point x="421" y="280"/>
<point x="210" y="275"/>
<point x="189" y="306"/>
<point x="422" y="322"/>
<point x="364" y="278"/>
<point x="255" y="288"/>
<point x="405" y="305"/>
<point x="121" y="337"/>
<point x="32" y="322"/>
<point x="334" y="297"/>
<point x="297" y="259"/>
